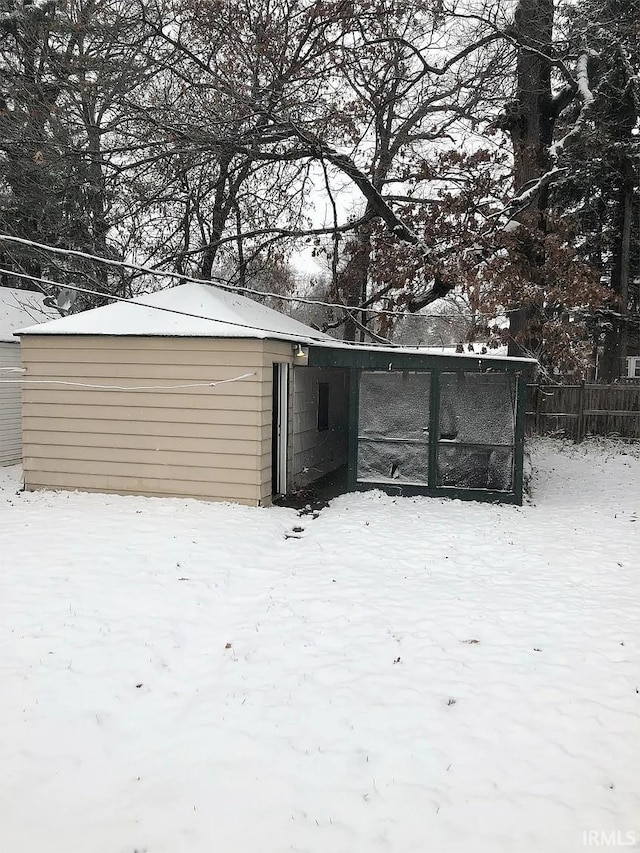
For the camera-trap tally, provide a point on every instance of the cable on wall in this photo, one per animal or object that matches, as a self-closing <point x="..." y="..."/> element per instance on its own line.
<point x="96" y="387"/>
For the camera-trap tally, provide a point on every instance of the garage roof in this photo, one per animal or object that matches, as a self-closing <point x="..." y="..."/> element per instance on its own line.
<point x="188" y="310"/>
<point x="205" y="311"/>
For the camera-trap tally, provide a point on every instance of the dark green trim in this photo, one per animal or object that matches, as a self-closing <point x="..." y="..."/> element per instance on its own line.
<point x="434" y="428"/>
<point x="380" y="360"/>
<point x="454" y="492"/>
<point x="518" y="454"/>
<point x="480" y="445"/>
<point x="352" y="467"/>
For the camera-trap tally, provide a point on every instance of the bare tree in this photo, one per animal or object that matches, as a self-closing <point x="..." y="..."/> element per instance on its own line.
<point x="193" y="135"/>
<point x="66" y="71"/>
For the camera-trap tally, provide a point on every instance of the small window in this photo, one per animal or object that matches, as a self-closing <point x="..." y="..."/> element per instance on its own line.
<point x="637" y="369"/>
<point x="323" y="406"/>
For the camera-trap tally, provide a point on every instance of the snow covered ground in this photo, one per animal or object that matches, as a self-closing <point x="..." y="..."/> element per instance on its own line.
<point x="409" y="675"/>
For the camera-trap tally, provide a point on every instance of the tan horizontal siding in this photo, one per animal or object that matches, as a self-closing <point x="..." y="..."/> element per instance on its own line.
<point x="34" y="413"/>
<point x="273" y="345"/>
<point x="266" y="417"/>
<point x="265" y="445"/>
<point x="265" y="491"/>
<point x="266" y="482"/>
<point x="112" y="343"/>
<point x="274" y="351"/>
<point x="149" y="487"/>
<point x="136" y="356"/>
<point x="105" y="468"/>
<point x="196" y="398"/>
<point x="201" y="442"/>
<point x="143" y="439"/>
<point x="112" y="449"/>
<point x="267" y="430"/>
<point x="169" y="373"/>
<point x="129" y="448"/>
<point x="264" y="464"/>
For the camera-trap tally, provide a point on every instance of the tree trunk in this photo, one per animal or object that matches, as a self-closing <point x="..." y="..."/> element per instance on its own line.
<point x="354" y="278"/>
<point x="218" y="220"/>
<point x="531" y="123"/>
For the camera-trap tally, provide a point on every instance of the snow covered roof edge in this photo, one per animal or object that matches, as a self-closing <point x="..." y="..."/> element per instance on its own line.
<point x="206" y="311"/>
<point x="188" y="310"/>
<point x="18" y="307"/>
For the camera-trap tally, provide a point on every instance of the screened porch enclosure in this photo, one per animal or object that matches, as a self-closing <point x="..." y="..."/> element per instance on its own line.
<point x="427" y="424"/>
<point x="477" y="431"/>
<point x="474" y="416"/>
<point x="393" y="427"/>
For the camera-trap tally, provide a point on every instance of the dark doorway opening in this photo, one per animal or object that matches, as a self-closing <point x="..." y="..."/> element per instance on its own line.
<point x="280" y="428"/>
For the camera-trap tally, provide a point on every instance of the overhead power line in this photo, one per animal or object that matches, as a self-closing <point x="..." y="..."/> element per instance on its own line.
<point x="289" y="336"/>
<point x="217" y="280"/>
<point x="176" y="311"/>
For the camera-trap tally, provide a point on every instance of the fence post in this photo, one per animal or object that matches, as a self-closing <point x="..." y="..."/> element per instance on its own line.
<point x="538" y="408"/>
<point x="581" y="401"/>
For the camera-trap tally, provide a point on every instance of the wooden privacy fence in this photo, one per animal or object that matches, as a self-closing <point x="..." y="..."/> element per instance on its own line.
<point x="580" y="410"/>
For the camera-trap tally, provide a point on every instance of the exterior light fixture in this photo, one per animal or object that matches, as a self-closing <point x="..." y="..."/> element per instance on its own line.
<point x="300" y="354"/>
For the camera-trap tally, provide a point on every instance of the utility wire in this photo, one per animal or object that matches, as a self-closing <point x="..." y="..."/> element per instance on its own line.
<point x="177" y="311"/>
<point x="219" y="282"/>
<point x="293" y="337"/>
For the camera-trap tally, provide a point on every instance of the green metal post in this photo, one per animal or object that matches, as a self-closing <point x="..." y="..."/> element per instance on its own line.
<point x="434" y="427"/>
<point x="353" y="429"/>
<point x="518" y="458"/>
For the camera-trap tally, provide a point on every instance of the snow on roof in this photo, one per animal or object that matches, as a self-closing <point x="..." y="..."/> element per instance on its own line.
<point x="475" y="348"/>
<point x="450" y="352"/>
<point x="206" y="311"/>
<point x="188" y="310"/>
<point x="18" y="307"/>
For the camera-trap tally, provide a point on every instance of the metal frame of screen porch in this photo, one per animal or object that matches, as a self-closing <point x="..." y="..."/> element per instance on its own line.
<point x="356" y="360"/>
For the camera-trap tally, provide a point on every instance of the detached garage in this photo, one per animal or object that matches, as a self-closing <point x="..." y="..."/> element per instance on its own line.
<point x="193" y="391"/>
<point x="187" y="391"/>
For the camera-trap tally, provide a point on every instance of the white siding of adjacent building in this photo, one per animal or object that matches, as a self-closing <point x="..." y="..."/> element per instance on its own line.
<point x="10" y="390"/>
<point x="316" y="453"/>
<point x="633" y="367"/>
